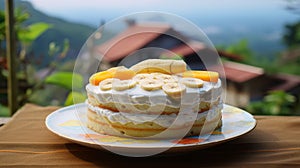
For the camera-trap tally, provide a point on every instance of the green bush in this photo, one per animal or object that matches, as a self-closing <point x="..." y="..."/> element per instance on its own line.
<point x="275" y="103"/>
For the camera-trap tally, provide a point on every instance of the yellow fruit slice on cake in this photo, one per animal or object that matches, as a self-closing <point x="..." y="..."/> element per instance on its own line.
<point x="123" y="84"/>
<point x="151" y="84"/>
<point x="161" y="66"/>
<point x="120" y="72"/>
<point x="209" y="76"/>
<point x="139" y="77"/>
<point x="106" y="84"/>
<point x="174" y="90"/>
<point x="96" y="78"/>
<point x="192" y="82"/>
<point x="165" y="78"/>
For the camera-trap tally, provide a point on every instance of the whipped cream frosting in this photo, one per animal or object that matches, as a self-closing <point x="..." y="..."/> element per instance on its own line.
<point x="183" y="118"/>
<point x="210" y="92"/>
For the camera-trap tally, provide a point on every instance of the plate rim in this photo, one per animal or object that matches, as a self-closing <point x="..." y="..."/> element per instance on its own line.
<point x="194" y="146"/>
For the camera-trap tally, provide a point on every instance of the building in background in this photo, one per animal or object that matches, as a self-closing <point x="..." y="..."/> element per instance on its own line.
<point x="245" y="83"/>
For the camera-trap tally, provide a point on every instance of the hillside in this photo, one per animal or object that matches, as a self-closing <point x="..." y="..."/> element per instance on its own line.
<point x="61" y="29"/>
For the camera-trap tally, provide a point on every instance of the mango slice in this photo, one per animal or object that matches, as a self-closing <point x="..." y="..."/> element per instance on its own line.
<point x="120" y="72"/>
<point x="96" y="78"/>
<point x="209" y="76"/>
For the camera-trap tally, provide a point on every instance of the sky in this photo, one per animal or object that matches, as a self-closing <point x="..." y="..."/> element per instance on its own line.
<point x="110" y="9"/>
<point x="255" y="20"/>
<point x="210" y="15"/>
<point x="129" y="5"/>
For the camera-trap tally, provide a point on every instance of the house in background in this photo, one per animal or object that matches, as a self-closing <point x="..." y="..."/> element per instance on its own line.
<point x="245" y="83"/>
<point x="153" y="38"/>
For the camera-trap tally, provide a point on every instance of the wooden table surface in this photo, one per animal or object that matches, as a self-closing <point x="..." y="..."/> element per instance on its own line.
<point x="26" y="142"/>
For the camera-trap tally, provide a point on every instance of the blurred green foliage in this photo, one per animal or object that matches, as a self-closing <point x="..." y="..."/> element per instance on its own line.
<point x="64" y="79"/>
<point x="242" y="49"/>
<point x="4" y="111"/>
<point x="74" y="97"/>
<point x="72" y="82"/>
<point x="54" y="86"/>
<point x="275" y="103"/>
<point x="28" y="35"/>
<point x="60" y="29"/>
<point x="174" y="57"/>
<point x="292" y="35"/>
<point x="288" y="61"/>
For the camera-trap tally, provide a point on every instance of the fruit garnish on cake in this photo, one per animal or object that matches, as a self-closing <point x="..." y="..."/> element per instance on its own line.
<point x="146" y="99"/>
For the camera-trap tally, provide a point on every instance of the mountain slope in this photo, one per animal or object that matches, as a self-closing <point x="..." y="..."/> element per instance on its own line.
<point x="61" y="29"/>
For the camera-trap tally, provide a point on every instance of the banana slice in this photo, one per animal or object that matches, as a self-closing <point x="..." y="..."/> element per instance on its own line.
<point x="106" y="84"/>
<point x="142" y="76"/>
<point x="120" y="85"/>
<point x="174" y="90"/>
<point x="160" y="65"/>
<point x="151" y="84"/>
<point x="165" y="78"/>
<point x="192" y="82"/>
<point x="122" y="73"/>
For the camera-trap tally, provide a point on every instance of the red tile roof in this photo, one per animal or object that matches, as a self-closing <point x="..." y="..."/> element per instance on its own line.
<point x="138" y="35"/>
<point x="239" y="73"/>
<point x="186" y="49"/>
<point x="289" y="82"/>
<point x="231" y="56"/>
<point x="132" y="39"/>
<point x="195" y="46"/>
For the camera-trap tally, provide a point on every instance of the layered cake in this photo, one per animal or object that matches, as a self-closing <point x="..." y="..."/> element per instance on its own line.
<point x="154" y="99"/>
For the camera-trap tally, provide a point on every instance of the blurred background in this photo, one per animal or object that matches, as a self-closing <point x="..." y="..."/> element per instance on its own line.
<point x="259" y="42"/>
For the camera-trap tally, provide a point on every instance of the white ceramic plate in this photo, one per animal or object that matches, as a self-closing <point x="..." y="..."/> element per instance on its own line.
<point x="69" y="122"/>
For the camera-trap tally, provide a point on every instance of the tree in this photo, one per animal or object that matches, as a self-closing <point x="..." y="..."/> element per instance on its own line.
<point x="275" y="103"/>
<point x="292" y="35"/>
<point x="32" y="88"/>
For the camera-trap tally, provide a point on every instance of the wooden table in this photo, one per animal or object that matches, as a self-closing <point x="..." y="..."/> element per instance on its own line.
<point x="26" y="142"/>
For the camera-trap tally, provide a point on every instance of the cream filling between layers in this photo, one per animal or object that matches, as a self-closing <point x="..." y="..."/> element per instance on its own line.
<point x="210" y="92"/>
<point x="185" y="117"/>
